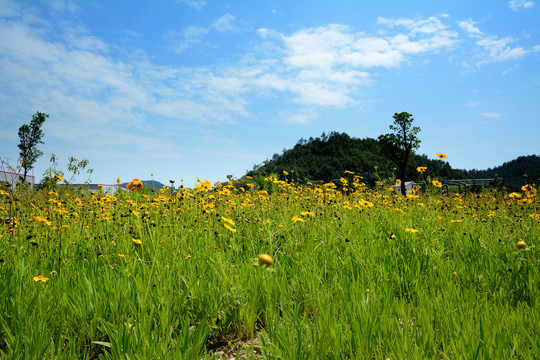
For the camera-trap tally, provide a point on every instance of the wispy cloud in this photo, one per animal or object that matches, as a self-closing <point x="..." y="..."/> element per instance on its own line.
<point x="225" y="23"/>
<point x="490" y="114"/>
<point x="470" y="28"/>
<point x="491" y="48"/>
<point x="185" y="39"/>
<point x="98" y="93"/>
<point x="517" y="5"/>
<point x="195" y="4"/>
<point x="499" y="50"/>
<point x="191" y="36"/>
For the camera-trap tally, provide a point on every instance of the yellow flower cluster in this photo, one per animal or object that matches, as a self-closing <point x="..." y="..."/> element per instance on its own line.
<point x="136" y="184"/>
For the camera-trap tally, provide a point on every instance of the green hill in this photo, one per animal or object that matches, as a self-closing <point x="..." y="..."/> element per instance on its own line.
<point x="149" y="184"/>
<point x="515" y="173"/>
<point x="326" y="158"/>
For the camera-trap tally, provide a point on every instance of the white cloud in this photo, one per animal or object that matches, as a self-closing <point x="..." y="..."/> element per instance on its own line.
<point x="490" y="114"/>
<point x="498" y="49"/>
<point x="225" y="23"/>
<point x="193" y="35"/>
<point x="9" y="8"/>
<point x="181" y="41"/>
<point x="336" y="45"/>
<point x="97" y="93"/>
<point x="195" y="4"/>
<point x="517" y="5"/>
<point x="469" y="26"/>
<point x="301" y="117"/>
<point x="509" y="70"/>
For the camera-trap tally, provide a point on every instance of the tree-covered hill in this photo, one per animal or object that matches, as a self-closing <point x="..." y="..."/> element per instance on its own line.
<point x="326" y="158"/>
<point x="520" y="171"/>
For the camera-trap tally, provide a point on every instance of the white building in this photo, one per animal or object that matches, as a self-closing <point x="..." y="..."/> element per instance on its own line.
<point x="13" y="178"/>
<point x="409" y="186"/>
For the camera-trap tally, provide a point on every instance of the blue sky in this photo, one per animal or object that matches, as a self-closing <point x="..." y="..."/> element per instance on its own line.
<point x="192" y="88"/>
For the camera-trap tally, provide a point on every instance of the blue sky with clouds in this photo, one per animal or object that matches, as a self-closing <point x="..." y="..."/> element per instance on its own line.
<point x="191" y="88"/>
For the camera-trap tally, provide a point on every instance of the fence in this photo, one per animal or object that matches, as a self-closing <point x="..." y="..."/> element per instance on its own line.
<point x="471" y="183"/>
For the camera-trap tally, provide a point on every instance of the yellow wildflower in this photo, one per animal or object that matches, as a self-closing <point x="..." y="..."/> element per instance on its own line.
<point x="230" y="228"/>
<point x="297" y="218"/>
<point x="228" y="221"/>
<point x="40" y="278"/>
<point x="411" y="230"/>
<point x="442" y="156"/>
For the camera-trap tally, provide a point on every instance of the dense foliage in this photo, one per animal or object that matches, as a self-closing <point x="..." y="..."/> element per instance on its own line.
<point x="399" y="145"/>
<point x="30" y="136"/>
<point x="327" y="157"/>
<point x="515" y="173"/>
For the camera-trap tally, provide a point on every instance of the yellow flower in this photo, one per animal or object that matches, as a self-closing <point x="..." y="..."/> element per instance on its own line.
<point x="136" y="184"/>
<point x="514" y="195"/>
<point x="521" y="244"/>
<point x="230" y="228"/>
<point x="40" y="219"/>
<point x="40" y="278"/>
<point x="421" y="169"/>
<point x="529" y="190"/>
<point x="118" y="181"/>
<point x="121" y="255"/>
<point x="2" y="192"/>
<point x="411" y="230"/>
<point x="348" y="172"/>
<point x="58" y="177"/>
<point x="297" y="218"/>
<point x="442" y="156"/>
<point x="398" y="181"/>
<point x="137" y="241"/>
<point x="52" y="193"/>
<point x="456" y="221"/>
<point x="437" y="183"/>
<point x="365" y="203"/>
<point x="228" y="221"/>
<point x="285" y="173"/>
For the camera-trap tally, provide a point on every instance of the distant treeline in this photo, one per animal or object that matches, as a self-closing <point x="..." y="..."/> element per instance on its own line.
<point x="515" y="173"/>
<point x="326" y="158"/>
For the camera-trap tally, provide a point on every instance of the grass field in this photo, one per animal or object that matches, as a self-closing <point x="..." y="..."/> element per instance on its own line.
<point x="360" y="274"/>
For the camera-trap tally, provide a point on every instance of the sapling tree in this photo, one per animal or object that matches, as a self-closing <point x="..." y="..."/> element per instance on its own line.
<point x="399" y="145"/>
<point x="30" y="136"/>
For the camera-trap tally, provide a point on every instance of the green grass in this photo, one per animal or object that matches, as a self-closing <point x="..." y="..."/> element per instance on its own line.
<point x="341" y="286"/>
